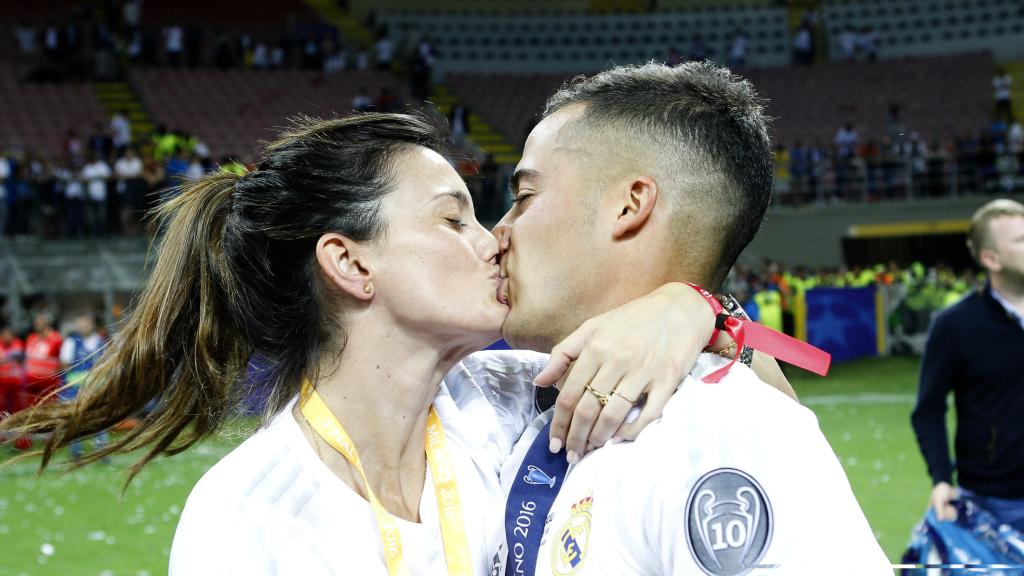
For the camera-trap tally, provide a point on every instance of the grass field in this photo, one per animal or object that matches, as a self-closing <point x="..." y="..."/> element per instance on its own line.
<point x="77" y="523"/>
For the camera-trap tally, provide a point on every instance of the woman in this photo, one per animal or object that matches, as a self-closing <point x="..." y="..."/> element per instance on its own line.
<point x="352" y="261"/>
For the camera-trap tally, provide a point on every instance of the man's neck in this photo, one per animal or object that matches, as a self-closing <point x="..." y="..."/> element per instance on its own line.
<point x="1010" y="291"/>
<point x="381" y="393"/>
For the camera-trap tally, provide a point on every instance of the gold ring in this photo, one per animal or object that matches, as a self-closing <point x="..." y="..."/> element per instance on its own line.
<point x="601" y="398"/>
<point x="624" y="397"/>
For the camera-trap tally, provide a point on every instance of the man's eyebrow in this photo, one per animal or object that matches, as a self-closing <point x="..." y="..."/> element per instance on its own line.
<point x="519" y="175"/>
<point x="461" y="197"/>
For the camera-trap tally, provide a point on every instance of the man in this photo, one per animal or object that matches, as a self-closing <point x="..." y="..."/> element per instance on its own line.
<point x="12" y="373"/>
<point x="636" y="177"/>
<point x="78" y="353"/>
<point x="42" y="359"/>
<point x="973" y="351"/>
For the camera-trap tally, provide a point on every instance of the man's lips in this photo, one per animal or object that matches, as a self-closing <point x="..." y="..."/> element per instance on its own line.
<point x="501" y="292"/>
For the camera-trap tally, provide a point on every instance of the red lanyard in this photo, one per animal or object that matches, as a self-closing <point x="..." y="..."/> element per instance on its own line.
<point x="771" y="342"/>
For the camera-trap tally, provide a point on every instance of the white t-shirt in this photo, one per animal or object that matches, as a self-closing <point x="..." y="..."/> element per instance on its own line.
<point x="734" y="473"/>
<point x="128" y="167"/>
<point x="95" y="174"/>
<point x="90" y="345"/>
<point x="272" y="507"/>
<point x="121" y="130"/>
<point x="1002" y="86"/>
<point x="174" y="39"/>
<point x="385" y="50"/>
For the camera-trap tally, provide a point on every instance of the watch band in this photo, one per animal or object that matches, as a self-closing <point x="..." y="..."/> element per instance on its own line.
<point x="734" y="309"/>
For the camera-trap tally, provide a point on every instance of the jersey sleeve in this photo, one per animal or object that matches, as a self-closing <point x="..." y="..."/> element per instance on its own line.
<point x="505" y="377"/>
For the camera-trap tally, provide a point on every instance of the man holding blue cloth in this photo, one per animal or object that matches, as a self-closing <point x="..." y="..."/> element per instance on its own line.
<point x="974" y="351"/>
<point x="635" y="177"/>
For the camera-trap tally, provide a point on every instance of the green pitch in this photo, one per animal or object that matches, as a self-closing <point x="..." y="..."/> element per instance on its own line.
<point x="77" y="523"/>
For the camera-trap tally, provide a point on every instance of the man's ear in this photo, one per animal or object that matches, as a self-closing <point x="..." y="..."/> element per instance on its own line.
<point x="636" y="207"/>
<point x="342" y="261"/>
<point x="990" y="259"/>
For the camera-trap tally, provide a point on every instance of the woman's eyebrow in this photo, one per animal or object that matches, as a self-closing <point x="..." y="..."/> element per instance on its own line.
<point x="461" y="197"/>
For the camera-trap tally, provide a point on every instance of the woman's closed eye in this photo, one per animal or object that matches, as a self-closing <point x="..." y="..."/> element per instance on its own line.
<point x="456" y="223"/>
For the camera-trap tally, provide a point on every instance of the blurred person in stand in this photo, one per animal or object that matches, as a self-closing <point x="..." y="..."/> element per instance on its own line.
<point x="1002" y="87"/>
<point x="42" y="359"/>
<point x="96" y="175"/>
<point x="78" y="353"/>
<point x="120" y="130"/>
<point x="738" y="50"/>
<point x="362" y="102"/>
<point x="12" y="370"/>
<point x="130" y="187"/>
<point x="966" y="354"/>
<point x="5" y="196"/>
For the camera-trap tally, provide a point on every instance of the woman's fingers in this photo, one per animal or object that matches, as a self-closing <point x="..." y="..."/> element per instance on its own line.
<point x="589" y="409"/>
<point x="658" y="396"/>
<point x="622" y="399"/>
<point x="572" y="390"/>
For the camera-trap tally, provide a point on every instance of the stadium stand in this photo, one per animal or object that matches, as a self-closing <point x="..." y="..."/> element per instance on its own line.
<point x="940" y="96"/>
<point x="931" y="27"/>
<point x="37" y="116"/>
<point x="234" y="110"/>
<point x="535" y="43"/>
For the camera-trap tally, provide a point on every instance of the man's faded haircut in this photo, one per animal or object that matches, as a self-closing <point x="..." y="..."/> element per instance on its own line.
<point x="703" y="130"/>
<point x="980" y="235"/>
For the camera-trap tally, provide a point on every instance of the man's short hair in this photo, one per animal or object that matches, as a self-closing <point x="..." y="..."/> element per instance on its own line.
<point x="980" y="236"/>
<point x="704" y="131"/>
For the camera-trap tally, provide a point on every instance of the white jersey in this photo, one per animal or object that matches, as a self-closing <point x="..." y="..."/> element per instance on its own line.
<point x="272" y="507"/>
<point x="735" y="476"/>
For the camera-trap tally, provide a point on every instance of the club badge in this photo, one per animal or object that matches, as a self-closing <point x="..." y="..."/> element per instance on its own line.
<point x="569" y="550"/>
<point x="728" y="522"/>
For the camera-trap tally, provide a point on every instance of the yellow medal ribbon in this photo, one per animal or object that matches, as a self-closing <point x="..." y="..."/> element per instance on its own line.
<point x="442" y="470"/>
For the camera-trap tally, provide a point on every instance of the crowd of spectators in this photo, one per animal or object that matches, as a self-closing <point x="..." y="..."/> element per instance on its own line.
<point x="100" y="185"/>
<point x="101" y="44"/>
<point x="38" y="362"/>
<point x="915" y="292"/>
<point x="901" y="165"/>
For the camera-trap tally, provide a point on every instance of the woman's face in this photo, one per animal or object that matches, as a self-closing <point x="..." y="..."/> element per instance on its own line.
<point x="435" y="268"/>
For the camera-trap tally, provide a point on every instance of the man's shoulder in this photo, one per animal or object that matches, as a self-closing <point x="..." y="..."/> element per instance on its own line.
<point x="705" y="416"/>
<point x="965" y="310"/>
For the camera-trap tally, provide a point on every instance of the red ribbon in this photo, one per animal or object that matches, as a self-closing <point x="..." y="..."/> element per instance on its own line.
<point x="764" y="339"/>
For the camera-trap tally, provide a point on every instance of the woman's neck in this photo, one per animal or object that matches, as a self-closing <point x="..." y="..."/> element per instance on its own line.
<point x="381" y="392"/>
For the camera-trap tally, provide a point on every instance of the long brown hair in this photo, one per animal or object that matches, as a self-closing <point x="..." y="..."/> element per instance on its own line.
<point x="236" y="276"/>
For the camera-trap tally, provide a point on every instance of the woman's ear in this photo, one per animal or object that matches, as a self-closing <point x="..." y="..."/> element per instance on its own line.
<point x="343" y="263"/>
<point x="636" y="207"/>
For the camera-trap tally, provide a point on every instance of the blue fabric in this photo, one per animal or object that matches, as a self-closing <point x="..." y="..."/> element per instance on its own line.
<point x="842" y="322"/>
<point x="1006" y="510"/>
<point x="975" y="537"/>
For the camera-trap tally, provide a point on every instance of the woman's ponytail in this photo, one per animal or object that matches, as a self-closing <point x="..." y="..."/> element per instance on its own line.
<point x="179" y="353"/>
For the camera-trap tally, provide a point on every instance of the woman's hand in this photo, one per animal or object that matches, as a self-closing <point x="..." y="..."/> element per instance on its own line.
<point x="646" y="346"/>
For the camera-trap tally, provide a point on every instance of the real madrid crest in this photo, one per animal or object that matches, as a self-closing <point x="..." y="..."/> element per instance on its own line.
<point x="728" y="522"/>
<point x="571" y="541"/>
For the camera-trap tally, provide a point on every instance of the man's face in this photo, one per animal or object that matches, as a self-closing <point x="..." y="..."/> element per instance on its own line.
<point x="1008" y="245"/>
<point x="549" y="239"/>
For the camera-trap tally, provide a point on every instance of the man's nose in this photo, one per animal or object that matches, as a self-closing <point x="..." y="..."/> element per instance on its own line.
<point x="503" y="232"/>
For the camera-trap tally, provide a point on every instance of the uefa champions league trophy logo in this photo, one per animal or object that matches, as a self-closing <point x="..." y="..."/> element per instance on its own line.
<point x="728" y="522"/>
<point x="538" y="477"/>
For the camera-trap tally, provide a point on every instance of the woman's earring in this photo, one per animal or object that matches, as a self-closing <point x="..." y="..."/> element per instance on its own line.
<point x="367" y="289"/>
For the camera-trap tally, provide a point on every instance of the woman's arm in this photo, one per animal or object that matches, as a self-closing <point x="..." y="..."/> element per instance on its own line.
<point x="645" y="347"/>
